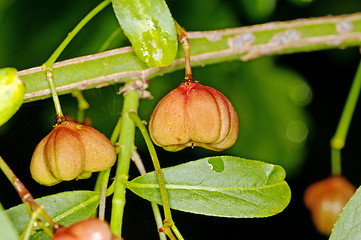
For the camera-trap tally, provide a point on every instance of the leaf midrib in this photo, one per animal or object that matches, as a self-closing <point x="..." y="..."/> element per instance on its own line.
<point x="202" y="188"/>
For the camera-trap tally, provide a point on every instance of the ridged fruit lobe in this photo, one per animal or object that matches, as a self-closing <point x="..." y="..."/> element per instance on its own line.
<point x="194" y="115"/>
<point x="70" y="151"/>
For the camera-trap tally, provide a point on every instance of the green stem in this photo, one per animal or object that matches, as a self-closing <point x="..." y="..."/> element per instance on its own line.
<point x="168" y="222"/>
<point x="126" y="143"/>
<point x="113" y="139"/>
<point x="157" y="168"/>
<point x="82" y="105"/>
<point x="50" y="78"/>
<point x="49" y="63"/>
<point x="103" y="177"/>
<point x="177" y="232"/>
<point x="158" y="219"/>
<point x="157" y="216"/>
<point x="30" y="225"/>
<point x="336" y="168"/>
<point x="24" y="194"/>
<point x="103" y="190"/>
<point x="338" y="140"/>
<point x="208" y="47"/>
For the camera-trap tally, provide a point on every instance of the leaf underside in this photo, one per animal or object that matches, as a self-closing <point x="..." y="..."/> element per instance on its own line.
<point x="348" y="225"/>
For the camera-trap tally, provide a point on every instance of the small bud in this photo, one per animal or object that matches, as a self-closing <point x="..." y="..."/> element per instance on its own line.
<point x="12" y="92"/>
<point x="326" y="199"/>
<point x="194" y="115"/>
<point x="70" y="151"/>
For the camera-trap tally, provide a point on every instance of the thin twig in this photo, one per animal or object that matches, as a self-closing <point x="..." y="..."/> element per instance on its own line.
<point x="24" y="193"/>
<point x="208" y="47"/>
<point x="157" y="216"/>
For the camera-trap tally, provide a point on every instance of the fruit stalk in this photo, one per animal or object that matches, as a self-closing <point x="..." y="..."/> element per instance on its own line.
<point x="168" y="222"/>
<point x="338" y="140"/>
<point x="183" y="38"/>
<point x="47" y="66"/>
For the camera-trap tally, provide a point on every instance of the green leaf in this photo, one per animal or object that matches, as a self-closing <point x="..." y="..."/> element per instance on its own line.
<point x="7" y="229"/>
<point x="348" y="225"/>
<point x="221" y="186"/>
<point x="149" y="26"/>
<point x="64" y="208"/>
<point x="270" y="102"/>
<point x="12" y="92"/>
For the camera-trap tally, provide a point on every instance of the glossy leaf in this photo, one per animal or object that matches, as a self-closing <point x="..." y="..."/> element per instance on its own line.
<point x="270" y="102"/>
<point x="64" y="208"/>
<point x="221" y="186"/>
<point x="348" y="225"/>
<point x="149" y="26"/>
<point x="7" y="229"/>
<point x="12" y="92"/>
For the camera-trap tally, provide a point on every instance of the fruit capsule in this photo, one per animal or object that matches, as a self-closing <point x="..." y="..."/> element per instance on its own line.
<point x="89" y="229"/>
<point x="194" y="115"/>
<point x="326" y="199"/>
<point x="70" y="151"/>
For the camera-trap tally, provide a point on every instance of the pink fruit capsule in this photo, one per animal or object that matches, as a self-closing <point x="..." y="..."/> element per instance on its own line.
<point x="194" y="115"/>
<point x="326" y="199"/>
<point x="70" y="151"/>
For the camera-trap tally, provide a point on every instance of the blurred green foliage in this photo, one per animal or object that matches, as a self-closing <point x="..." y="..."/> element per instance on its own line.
<point x="271" y="99"/>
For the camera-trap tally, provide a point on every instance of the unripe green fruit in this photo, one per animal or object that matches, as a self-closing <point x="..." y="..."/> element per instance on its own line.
<point x="70" y="151"/>
<point x="326" y="199"/>
<point x="194" y="115"/>
<point x="12" y="92"/>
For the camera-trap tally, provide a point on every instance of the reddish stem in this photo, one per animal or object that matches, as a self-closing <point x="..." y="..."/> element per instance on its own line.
<point x="183" y="38"/>
<point x="23" y="192"/>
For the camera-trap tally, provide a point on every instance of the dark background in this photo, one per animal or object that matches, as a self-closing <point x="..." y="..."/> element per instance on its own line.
<point x="31" y="30"/>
